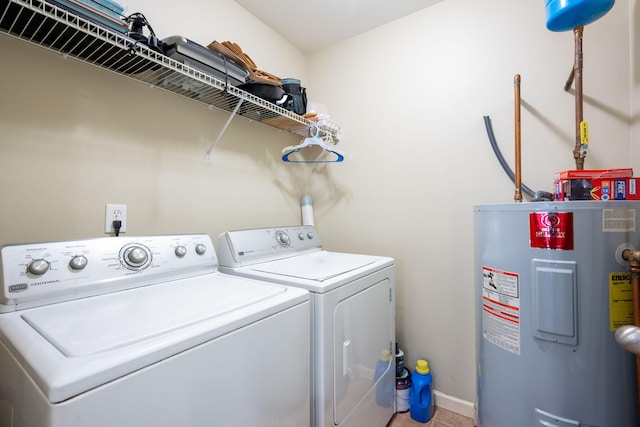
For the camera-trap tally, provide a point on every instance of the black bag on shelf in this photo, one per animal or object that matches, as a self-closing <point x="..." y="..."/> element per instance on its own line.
<point x="297" y="99"/>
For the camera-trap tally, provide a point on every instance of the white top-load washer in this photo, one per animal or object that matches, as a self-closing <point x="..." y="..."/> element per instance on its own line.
<point x="353" y="317"/>
<point x="146" y="331"/>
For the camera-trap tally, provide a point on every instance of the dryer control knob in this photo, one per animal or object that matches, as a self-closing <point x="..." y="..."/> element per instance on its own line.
<point x="201" y="249"/>
<point x="301" y="236"/>
<point x="78" y="262"/>
<point x="38" y="267"/>
<point x="310" y="235"/>
<point x="135" y="256"/>
<point x="180" y="251"/>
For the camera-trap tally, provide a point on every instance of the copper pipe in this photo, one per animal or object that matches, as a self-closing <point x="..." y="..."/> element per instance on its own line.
<point x="633" y="257"/>
<point x="518" y="181"/>
<point x="577" y="74"/>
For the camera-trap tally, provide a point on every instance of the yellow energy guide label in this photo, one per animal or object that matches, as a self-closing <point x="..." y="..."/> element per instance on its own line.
<point x="620" y="300"/>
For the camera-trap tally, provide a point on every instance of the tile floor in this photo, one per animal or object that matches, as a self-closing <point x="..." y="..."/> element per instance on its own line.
<point x="441" y="418"/>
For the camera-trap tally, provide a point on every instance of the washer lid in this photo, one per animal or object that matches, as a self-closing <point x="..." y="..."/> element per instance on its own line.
<point x="74" y="346"/>
<point x="318" y="266"/>
<point x="94" y="325"/>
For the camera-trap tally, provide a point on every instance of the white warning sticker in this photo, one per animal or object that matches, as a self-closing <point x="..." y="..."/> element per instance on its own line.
<point x="618" y="220"/>
<point x="501" y="309"/>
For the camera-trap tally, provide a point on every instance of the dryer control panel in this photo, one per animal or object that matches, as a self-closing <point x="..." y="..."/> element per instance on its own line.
<point x="245" y="247"/>
<point x="44" y="273"/>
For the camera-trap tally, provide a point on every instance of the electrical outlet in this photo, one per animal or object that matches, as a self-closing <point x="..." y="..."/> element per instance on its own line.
<point x="113" y="213"/>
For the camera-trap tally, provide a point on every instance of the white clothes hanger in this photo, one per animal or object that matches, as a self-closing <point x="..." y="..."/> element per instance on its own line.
<point x="314" y="138"/>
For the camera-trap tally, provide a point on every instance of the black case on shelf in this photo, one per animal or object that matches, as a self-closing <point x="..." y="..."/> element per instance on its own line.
<point x="205" y="60"/>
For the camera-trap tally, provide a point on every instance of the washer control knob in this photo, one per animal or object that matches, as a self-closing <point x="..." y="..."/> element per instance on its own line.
<point x="310" y="235"/>
<point x="181" y="251"/>
<point x="38" y="267"/>
<point x="201" y="249"/>
<point x="78" y="262"/>
<point x="301" y="236"/>
<point x="283" y="238"/>
<point x="135" y="256"/>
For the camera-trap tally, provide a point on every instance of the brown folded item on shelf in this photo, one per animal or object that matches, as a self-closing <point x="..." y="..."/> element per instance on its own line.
<point x="234" y="52"/>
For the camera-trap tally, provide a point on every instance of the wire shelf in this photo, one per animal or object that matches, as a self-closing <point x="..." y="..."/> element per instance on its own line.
<point x="54" y="28"/>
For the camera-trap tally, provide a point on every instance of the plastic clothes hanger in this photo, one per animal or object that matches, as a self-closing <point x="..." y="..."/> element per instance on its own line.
<point x="314" y="138"/>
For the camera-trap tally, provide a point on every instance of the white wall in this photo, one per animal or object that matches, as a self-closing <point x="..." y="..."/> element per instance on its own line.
<point x="634" y="79"/>
<point x="410" y="97"/>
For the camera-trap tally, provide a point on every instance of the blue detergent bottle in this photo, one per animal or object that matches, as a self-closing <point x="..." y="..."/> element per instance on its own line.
<point x="421" y="393"/>
<point x="384" y="380"/>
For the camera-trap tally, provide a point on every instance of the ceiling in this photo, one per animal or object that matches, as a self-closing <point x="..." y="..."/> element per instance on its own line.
<point x="314" y="24"/>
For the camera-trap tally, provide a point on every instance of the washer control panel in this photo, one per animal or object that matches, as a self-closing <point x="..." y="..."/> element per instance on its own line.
<point x="244" y="247"/>
<point x="43" y="273"/>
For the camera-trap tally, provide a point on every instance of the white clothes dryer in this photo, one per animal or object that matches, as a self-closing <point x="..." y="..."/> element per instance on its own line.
<point x="146" y="331"/>
<point x="353" y="317"/>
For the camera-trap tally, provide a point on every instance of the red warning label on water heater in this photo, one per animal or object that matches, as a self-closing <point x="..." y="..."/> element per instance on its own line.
<point x="551" y="230"/>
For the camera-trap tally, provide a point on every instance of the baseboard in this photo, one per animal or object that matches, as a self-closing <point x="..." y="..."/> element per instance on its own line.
<point x="454" y="404"/>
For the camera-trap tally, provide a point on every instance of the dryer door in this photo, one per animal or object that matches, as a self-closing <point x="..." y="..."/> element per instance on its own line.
<point x="364" y="379"/>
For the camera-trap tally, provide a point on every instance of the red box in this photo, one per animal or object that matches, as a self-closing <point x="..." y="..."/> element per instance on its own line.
<point x="593" y="174"/>
<point x="597" y="189"/>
